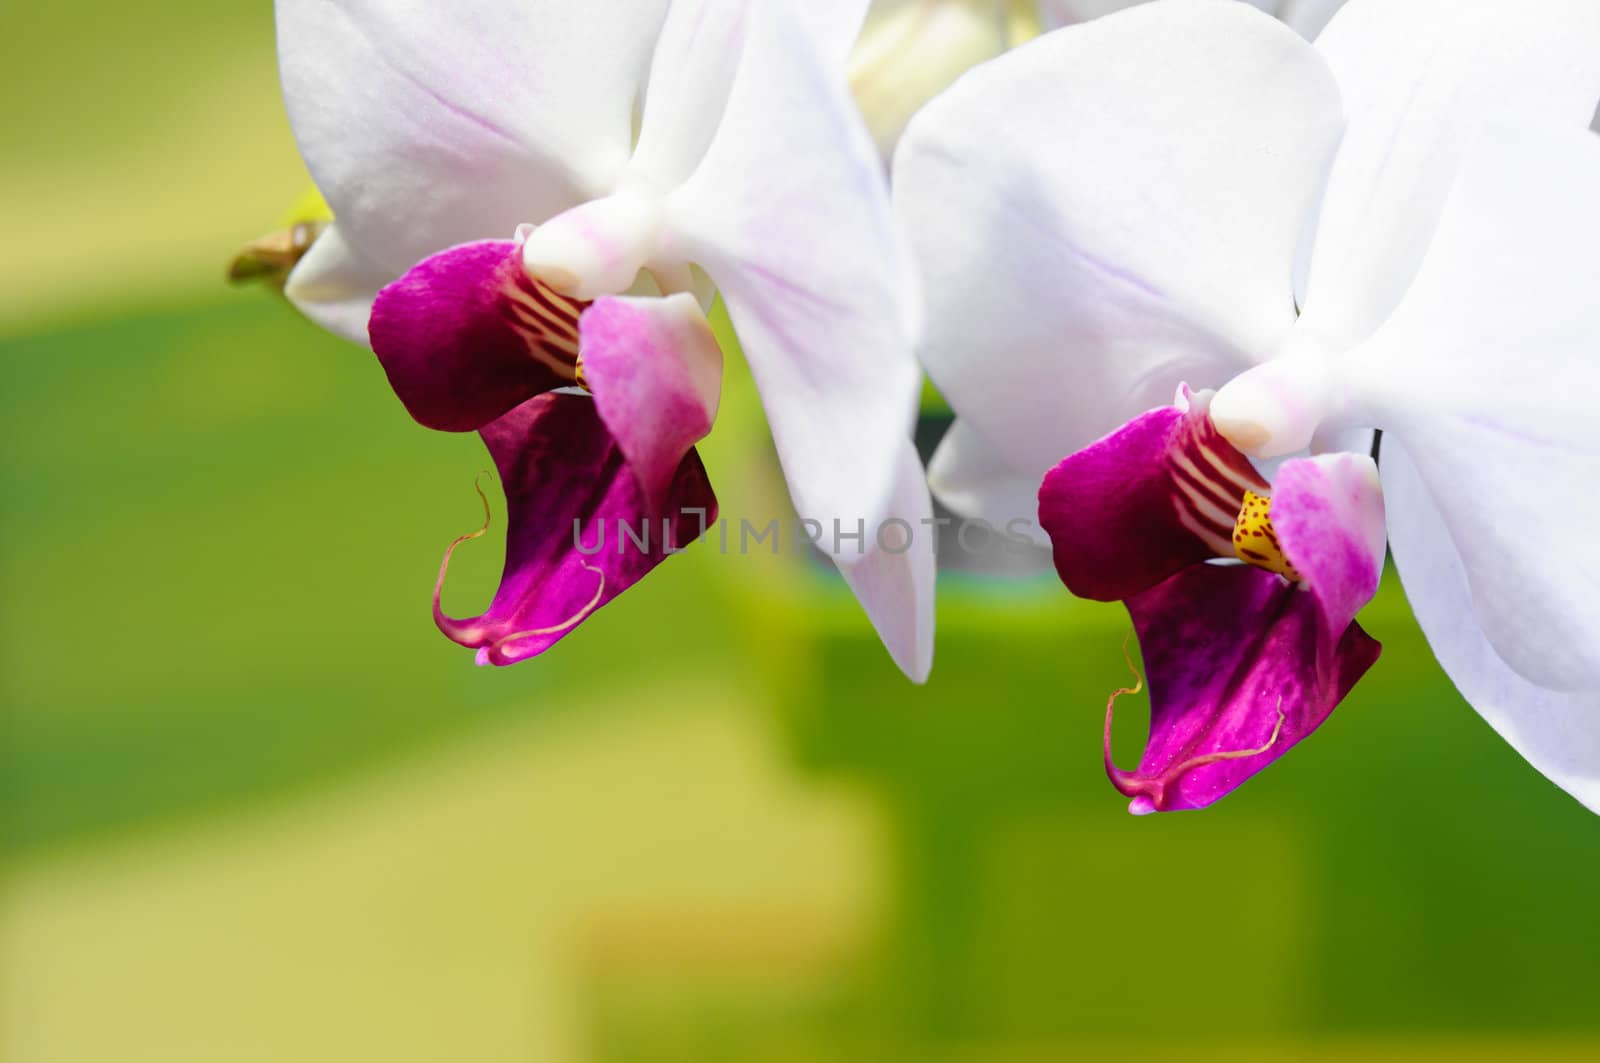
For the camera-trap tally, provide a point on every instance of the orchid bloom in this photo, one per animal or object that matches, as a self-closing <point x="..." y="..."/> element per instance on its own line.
<point x="529" y="198"/>
<point x="1397" y="228"/>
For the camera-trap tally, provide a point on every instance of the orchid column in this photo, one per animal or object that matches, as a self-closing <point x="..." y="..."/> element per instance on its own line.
<point x="525" y="266"/>
<point x="1397" y="228"/>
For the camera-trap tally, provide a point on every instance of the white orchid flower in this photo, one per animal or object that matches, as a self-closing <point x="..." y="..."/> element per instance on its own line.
<point x="1397" y="228"/>
<point x="528" y="196"/>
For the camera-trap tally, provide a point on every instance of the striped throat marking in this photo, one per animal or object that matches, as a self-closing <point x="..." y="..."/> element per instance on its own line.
<point x="546" y="320"/>
<point x="1223" y="501"/>
<point x="1210" y="478"/>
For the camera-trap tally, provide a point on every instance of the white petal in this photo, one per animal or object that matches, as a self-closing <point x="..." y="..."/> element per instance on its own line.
<point x="1417" y="77"/>
<point x="789" y="214"/>
<point x="972" y="477"/>
<point x="1109" y="211"/>
<point x="1308" y="17"/>
<point x="1305" y="17"/>
<point x="1488" y="374"/>
<point x="834" y="25"/>
<point x="432" y="124"/>
<point x="695" y="62"/>
<point x="334" y="286"/>
<point x="895" y="585"/>
<point x="1558" y="732"/>
<point x="701" y="45"/>
<point x="1056" y="13"/>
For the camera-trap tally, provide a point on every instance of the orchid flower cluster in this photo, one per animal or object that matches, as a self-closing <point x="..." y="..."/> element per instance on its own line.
<point x="1235" y="306"/>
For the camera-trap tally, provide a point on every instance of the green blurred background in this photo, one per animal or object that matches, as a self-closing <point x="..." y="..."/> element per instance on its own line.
<point x="256" y="808"/>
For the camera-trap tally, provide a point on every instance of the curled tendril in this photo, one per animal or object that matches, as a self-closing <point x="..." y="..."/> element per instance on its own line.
<point x="1111" y="702"/>
<point x="444" y="566"/>
<point x="1155" y="789"/>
